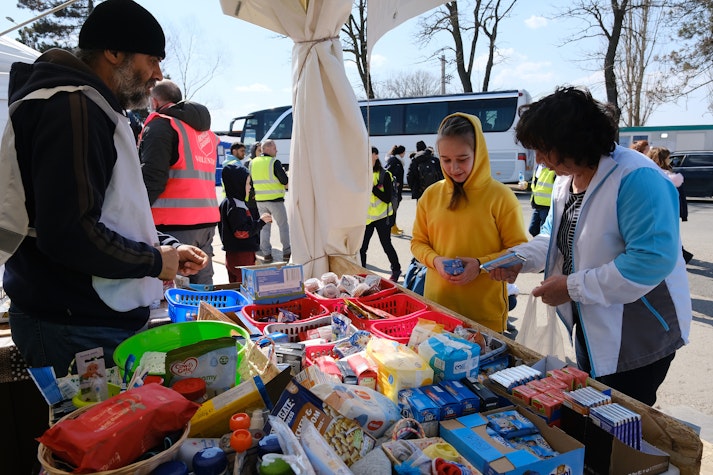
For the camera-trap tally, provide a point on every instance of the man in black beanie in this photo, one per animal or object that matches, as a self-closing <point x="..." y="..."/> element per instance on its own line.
<point x="423" y="171"/>
<point x="95" y="257"/>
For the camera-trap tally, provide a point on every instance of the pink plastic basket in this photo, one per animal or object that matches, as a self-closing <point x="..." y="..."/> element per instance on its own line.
<point x="400" y="329"/>
<point x="305" y="308"/>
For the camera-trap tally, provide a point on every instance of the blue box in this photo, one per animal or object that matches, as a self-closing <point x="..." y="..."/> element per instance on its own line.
<point x="273" y="283"/>
<point x="414" y="403"/>
<point x="468" y="436"/>
<point x="469" y="401"/>
<point x="450" y="407"/>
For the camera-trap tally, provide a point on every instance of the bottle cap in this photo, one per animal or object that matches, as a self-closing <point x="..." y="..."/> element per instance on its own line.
<point x="192" y="389"/>
<point x="239" y="420"/>
<point x="153" y="379"/>
<point x="241" y="440"/>
<point x="210" y="461"/>
<point x="174" y="467"/>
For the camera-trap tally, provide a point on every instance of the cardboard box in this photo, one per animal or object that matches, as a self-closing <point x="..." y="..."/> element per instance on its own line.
<point x="468" y="436"/>
<point x="469" y="401"/>
<point x="450" y="407"/>
<point x="268" y="284"/>
<point x="607" y="454"/>
<point x="415" y="404"/>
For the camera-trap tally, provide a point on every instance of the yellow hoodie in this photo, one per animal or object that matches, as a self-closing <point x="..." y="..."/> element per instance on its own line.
<point x="483" y="227"/>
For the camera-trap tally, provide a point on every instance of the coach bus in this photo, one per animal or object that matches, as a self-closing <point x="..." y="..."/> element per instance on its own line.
<point x="405" y="121"/>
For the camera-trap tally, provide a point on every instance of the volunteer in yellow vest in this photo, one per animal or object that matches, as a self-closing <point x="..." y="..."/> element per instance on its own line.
<point x="178" y="158"/>
<point x="378" y="215"/>
<point x="541" y="198"/>
<point x="270" y="184"/>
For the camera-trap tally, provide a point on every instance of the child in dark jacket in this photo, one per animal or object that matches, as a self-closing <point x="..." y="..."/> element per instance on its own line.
<point x="239" y="230"/>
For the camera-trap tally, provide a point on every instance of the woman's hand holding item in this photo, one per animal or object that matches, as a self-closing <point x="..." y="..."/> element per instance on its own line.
<point x="191" y="259"/>
<point x="553" y="291"/>
<point x="471" y="270"/>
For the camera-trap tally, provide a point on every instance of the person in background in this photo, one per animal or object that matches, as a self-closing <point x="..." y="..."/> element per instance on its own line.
<point x="270" y="182"/>
<point x="423" y="171"/>
<point x="255" y="151"/>
<point x="237" y="154"/>
<point x="661" y="156"/>
<point x="641" y="146"/>
<point x="178" y="160"/>
<point x="239" y="229"/>
<point x="541" y="197"/>
<point x="96" y="259"/>
<point x="395" y="166"/>
<point x="610" y="247"/>
<point x="470" y="216"/>
<point x="378" y="215"/>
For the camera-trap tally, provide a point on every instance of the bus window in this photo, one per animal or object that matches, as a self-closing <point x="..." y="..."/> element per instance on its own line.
<point x="496" y="115"/>
<point x="283" y="129"/>
<point x="384" y="120"/>
<point x="424" y="118"/>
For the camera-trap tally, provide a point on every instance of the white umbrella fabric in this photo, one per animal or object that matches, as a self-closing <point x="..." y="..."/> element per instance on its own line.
<point x="330" y="166"/>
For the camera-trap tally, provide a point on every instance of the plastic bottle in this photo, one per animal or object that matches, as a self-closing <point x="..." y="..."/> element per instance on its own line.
<point x="210" y="461"/>
<point x="192" y="446"/>
<point x="174" y="467"/>
<point x="257" y="424"/>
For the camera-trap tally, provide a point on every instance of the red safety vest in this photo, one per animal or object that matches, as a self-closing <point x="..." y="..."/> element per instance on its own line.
<point x="189" y="197"/>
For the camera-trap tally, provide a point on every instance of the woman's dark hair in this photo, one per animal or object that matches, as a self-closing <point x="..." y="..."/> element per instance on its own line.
<point x="377" y="166"/>
<point x="375" y="150"/>
<point x="457" y="126"/>
<point x="570" y="123"/>
<point x="253" y="149"/>
<point x="397" y="150"/>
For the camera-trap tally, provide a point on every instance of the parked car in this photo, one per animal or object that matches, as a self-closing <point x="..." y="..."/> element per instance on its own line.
<point x="697" y="170"/>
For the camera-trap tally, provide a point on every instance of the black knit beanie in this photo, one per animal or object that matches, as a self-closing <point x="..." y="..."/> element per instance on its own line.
<point x="123" y="25"/>
<point x="420" y="146"/>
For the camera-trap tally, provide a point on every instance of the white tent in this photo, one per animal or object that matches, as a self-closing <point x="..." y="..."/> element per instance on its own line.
<point x="330" y="172"/>
<point x="10" y="52"/>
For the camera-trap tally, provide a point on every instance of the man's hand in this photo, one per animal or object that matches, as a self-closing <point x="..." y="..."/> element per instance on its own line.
<point x="191" y="259"/>
<point x="553" y="291"/>
<point x="169" y="262"/>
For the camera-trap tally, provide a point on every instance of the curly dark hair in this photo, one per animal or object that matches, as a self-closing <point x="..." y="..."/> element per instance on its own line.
<point x="570" y="123"/>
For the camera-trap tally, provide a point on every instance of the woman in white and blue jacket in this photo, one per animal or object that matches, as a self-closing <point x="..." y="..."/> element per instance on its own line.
<point x="610" y="247"/>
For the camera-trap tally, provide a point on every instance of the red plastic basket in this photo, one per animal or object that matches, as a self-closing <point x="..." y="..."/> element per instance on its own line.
<point x="397" y="305"/>
<point x="305" y="308"/>
<point x="315" y="351"/>
<point x="400" y="329"/>
<point x="387" y="288"/>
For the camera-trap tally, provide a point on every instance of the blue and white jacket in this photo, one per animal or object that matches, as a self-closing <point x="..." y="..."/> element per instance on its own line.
<point x="628" y="279"/>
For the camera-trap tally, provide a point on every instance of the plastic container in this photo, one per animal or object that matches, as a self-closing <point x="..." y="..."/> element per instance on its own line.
<point x="175" y="335"/>
<point x="210" y="461"/>
<point x="193" y="389"/>
<point x="293" y="330"/>
<point x="400" y="329"/>
<point x="315" y="351"/>
<point x="305" y="308"/>
<point x="395" y="305"/>
<point x="387" y="288"/>
<point x="183" y="304"/>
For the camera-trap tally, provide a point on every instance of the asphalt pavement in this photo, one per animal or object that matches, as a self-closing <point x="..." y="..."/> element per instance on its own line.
<point x="687" y="392"/>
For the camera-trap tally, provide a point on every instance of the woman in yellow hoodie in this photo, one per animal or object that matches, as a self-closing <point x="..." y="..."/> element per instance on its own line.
<point x="470" y="216"/>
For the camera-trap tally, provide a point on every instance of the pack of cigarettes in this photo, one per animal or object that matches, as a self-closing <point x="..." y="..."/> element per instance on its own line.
<point x="514" y="376"/>
<point x="582" y="400"/>
<point x="620" y="422"/>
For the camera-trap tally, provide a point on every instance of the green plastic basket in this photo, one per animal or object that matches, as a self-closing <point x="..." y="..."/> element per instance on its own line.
<point x="176" y="335"/>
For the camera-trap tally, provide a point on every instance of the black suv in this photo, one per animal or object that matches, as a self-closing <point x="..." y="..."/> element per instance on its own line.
<point x="697" y="170"/>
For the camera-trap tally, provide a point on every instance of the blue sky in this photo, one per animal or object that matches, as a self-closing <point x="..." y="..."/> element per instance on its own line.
<point x="255" y="64"/>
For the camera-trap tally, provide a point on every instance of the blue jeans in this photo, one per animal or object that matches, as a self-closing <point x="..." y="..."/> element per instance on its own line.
<point x="44" y="343"/>
<point x="279" y="217"/>
<point x="539" y="215"/>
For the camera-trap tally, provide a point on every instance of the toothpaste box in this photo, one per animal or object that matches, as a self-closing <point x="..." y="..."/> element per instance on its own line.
<point x="414" y="403"/>
<point x="450" y="407"/>
<point x="469" y="401"/>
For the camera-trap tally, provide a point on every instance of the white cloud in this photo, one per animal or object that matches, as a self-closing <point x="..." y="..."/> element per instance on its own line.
<point x="255" y="87"/>
<point x="535" y="22"/>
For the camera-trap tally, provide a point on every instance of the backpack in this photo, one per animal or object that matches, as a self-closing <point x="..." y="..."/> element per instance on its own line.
<point x="389" y="181"/>
<point x="415" y="277"/>
<point x="429" y="172"/>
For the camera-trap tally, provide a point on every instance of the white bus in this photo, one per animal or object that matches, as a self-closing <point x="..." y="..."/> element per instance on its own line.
<point x="406" y="121"/>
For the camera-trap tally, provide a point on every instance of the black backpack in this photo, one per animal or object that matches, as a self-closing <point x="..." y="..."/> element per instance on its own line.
<point x="429" y="172"/>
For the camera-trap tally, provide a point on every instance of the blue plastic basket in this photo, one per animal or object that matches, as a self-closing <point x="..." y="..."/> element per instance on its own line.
<point x="183" y="304"/>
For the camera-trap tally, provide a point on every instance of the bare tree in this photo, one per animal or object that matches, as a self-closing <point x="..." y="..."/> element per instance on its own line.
<point x="410" y="84"/>
<point x="187" y="62"/>
<point x="464" y="29"/>
<point x="603" y="18"/>
<point x="354" y="42"/>
<point x="494" y="13"/>
<point x="638" y="83"/>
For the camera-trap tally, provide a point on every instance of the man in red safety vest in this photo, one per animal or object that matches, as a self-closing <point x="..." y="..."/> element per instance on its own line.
<point x="178" y="159"/>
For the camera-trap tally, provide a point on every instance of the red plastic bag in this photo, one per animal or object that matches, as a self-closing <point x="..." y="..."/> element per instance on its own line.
<point x="114" y="433"/>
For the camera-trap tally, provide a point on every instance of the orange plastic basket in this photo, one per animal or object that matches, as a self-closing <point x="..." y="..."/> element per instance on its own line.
<point x="305" y="308"/>
<point x="400" y="329"/>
